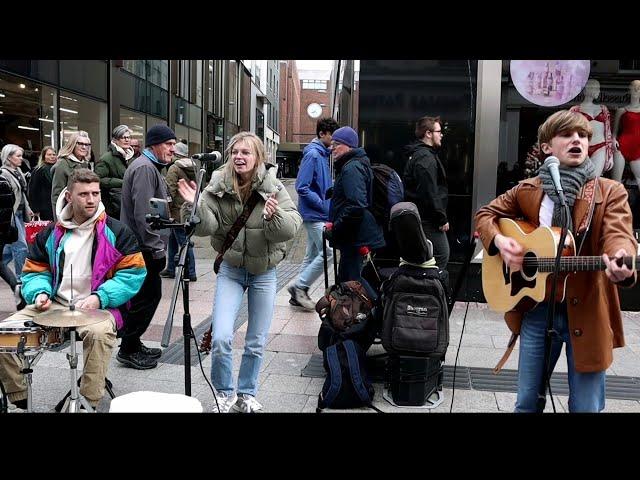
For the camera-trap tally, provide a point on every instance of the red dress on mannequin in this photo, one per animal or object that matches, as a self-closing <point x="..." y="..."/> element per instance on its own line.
<point x="629" y="139"/>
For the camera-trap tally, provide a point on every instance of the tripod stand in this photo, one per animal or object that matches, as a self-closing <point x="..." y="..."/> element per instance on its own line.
<point x="181" y="278"/>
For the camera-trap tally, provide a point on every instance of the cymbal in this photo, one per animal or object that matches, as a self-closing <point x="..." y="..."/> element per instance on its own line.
<point x="80" y="317"/>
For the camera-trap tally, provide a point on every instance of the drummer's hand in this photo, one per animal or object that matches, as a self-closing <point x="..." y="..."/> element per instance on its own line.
<point x="43" y="302"/>
<point x="90" y="303"/>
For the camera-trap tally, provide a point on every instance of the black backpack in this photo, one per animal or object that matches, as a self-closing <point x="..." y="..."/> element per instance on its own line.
<point x="8" y="229"/>
<point x="387" y="191"/>
<point x="415" y="320"/>
<point x="347" y="384"/>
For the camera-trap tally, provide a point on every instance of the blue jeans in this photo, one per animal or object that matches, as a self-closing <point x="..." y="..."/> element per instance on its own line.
<point x="230" y="287"/>
<point x="176" y="239"/>
<point x="18" y="249"/>
<point x="586" y="390"/>
<point x="313" y="264"/>
<point x="350" y="268"/>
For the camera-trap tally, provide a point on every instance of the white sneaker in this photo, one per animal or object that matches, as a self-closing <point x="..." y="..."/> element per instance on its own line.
<point x="247" y="404"/>
<point x="225" y="402"/>
<point x="11" y="408"/>
<point x="302" y="297"/>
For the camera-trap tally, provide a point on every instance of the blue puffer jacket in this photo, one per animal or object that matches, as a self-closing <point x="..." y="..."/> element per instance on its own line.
<point x="353" y="223"/>
<point x="312" y="183"/>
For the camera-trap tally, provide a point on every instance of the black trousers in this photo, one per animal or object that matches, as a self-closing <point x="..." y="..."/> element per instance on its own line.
<point x="440" y="244"/>
<point x="143" y="305"/>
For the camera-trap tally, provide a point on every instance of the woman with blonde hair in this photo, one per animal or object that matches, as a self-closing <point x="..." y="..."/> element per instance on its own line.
<point x="249" y="264"/>
<point x="11" y="160"/>
<point x="40" y="184"/>
<point x="74" y="154"/>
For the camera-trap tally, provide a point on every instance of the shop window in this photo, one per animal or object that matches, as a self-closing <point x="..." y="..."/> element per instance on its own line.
<point x="81" y="113"/>
<point x="158" y="99"/>
<point x="28" y="115"/>
<point x="135" y="121"/>
<point x="606" y="96"/>
<point x="85" y="76"/>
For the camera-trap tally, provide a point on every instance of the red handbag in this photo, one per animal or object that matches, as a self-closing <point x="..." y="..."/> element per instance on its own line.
<point x="34" y="227"/>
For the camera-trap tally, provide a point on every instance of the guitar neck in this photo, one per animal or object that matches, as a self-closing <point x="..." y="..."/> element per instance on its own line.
<point x="577" y="264"/>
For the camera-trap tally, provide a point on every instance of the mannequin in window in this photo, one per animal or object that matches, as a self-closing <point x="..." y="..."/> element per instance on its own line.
<point x="601" y="144"/>
<point x="626" y="131"/>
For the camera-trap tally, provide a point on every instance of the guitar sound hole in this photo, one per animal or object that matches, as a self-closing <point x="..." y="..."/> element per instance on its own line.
<point x="529" y="270"/>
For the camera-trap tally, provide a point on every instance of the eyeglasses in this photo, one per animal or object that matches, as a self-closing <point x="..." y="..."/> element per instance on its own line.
<point x="83" y="144"/>
<point x="438" y="131"/>
<point x="125" y="138"/>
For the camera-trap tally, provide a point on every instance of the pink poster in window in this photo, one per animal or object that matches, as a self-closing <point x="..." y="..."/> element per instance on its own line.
<point x="550" y="82"/>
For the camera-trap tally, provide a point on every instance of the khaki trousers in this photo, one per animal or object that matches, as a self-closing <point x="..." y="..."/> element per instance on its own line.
<point x="98" y="341"/>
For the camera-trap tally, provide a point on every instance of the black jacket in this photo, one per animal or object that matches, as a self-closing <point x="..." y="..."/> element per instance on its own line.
<point x="353" y="222"/>
<point x="40" y="191"/>
<point x="425" y="183"/>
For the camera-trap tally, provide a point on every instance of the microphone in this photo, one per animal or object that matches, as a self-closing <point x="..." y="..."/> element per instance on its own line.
<point x="208" y="157"/>
<point x="553" y="164"/>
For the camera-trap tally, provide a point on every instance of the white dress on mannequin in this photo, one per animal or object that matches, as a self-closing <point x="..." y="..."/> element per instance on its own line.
<point x="626" y="132"/>
<point x="601" y="143"/>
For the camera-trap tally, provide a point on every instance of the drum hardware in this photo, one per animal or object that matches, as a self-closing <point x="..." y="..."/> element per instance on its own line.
<point x="73" y="318"/>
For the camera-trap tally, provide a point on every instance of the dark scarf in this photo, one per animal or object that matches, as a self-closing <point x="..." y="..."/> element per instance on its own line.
<point x="572" y="179"/>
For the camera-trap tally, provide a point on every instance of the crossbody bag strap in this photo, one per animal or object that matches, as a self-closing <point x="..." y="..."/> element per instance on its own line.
<point x="236" y="227"/>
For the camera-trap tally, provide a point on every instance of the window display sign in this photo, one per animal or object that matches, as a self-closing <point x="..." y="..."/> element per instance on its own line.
<point x="550" y="82"/>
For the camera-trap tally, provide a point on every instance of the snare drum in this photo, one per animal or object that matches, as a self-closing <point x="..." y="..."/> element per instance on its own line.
<point x="35" y="338"/>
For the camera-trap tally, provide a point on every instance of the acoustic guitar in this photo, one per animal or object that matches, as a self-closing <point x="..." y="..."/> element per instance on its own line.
<point x="506" y="289"/>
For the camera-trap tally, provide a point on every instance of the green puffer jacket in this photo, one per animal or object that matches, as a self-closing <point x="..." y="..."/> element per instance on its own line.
<point x="260" y="245"/>
<point x="110" y="168"/>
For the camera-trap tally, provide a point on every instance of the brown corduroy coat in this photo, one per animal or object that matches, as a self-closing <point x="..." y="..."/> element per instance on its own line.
<point x="595" y="321"/>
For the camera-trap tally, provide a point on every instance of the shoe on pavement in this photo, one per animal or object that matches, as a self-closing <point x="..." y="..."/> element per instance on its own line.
<point x="225" y="402"/>
<point x="151" y="352"/>
<point x="167" y="274"/>
<point x="247" y="404"/>
<point x="137" y="360"/>
<point x="301" y="297"/>
<point x="193" y="278"/>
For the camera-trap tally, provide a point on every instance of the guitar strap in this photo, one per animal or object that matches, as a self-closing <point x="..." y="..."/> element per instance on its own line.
<point x="589" y="194"/>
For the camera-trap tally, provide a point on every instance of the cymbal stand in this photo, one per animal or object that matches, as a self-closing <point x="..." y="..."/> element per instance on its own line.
<point x="75" y="399"/>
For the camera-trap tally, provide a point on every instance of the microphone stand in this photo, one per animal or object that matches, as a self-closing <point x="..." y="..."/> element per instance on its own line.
<point x="181" y="277"/>
<point x="551" y="310"/>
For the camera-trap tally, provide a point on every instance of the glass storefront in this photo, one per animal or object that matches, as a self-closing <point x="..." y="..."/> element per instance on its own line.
<point x="394" y="94"/>
<point x="135" y="121"/>
<point x="28" y="115"/>
<point x="191" y="136"/>
<point x="604" y="101"/>
<point x="81" y="113"/>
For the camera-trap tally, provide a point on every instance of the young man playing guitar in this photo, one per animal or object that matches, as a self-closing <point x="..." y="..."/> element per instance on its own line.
<point x="588" y="319"/>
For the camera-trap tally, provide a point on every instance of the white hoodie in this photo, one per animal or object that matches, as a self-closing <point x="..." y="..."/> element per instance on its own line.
<point x="77" y="252"/>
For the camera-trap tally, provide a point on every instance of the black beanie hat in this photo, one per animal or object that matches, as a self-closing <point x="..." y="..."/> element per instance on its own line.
<point x="159" y="134"/>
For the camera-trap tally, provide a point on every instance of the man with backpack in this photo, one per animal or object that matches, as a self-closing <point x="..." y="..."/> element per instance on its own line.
<point x="312" y="183"/>
<point x="354" y="225"/>
<point x="425" y="184"/>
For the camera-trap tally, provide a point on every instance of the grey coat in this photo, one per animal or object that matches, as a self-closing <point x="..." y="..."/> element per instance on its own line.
<point x="141" y="182"/>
